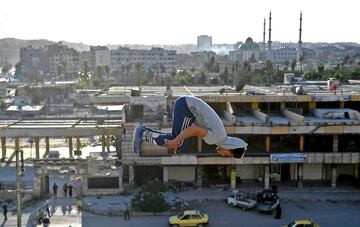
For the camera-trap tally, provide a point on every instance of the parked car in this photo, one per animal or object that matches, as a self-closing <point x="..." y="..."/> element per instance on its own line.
<point x="189" y="218"/>
<point x="267" y="200"/>
<point x="242" y="200"/>
<point x="302" y="223"/>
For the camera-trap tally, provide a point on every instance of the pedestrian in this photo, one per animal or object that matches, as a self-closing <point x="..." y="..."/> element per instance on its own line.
<point x="46" y="221"/>
<point x="65" y="188"/>
<point x="55" y="188"/>
<point x="70" y="188"/>
<point x="278" y="212"/>
<point x="126" y="211"/>
<point x="40" y="216"/>
<point x="5" y="210"/>
<point x="47" y="207"/>
<point x="192" y="117"/>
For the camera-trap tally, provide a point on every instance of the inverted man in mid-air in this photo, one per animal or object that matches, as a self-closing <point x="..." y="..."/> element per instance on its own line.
<point x="192" y="117"/>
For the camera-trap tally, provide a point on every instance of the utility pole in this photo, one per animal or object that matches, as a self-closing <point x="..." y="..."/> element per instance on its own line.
<point x="18" y="189"/>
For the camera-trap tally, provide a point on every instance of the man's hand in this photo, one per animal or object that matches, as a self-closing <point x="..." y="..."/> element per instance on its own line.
<point x="173" y="144"/>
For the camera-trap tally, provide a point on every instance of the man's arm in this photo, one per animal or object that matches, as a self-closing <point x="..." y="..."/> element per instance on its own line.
<point x="193" y="130"/>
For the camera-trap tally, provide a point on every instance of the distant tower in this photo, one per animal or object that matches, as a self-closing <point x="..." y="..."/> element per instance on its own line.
<point x="269" y="42"/>
<point x="299" y="51"/>
<point x="264" y="33"/>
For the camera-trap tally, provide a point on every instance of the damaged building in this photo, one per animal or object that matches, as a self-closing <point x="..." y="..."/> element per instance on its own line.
<point x="291" y="138"/>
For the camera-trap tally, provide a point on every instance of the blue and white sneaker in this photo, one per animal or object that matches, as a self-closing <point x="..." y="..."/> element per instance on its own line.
<point x="137" y="137"/>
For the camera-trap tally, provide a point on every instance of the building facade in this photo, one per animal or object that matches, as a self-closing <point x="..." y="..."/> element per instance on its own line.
<point x="156" y="59"/>
<point x="292" y="139"/>
<point x="204" y="42"/>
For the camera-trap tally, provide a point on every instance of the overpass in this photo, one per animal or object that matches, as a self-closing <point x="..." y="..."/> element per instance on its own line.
<point x="47" y="128"/>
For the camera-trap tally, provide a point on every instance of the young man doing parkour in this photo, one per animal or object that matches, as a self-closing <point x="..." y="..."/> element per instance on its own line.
<point x="192" y="117"/>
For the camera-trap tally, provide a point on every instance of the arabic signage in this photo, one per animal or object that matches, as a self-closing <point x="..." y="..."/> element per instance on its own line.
<point x="288" y="158"/>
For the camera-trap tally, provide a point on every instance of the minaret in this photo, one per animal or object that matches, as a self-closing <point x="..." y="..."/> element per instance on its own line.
<point x="299" y="51"/>
<point x="264" y="42"/>
<point x="269" y="42"/>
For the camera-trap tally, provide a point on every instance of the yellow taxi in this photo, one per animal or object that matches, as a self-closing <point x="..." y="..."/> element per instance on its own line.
<point x="189" y="218"/>
<point x="302" y="223"/>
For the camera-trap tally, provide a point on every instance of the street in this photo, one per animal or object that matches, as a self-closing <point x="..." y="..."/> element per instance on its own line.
<point x="324" y="213"/>
<point x="63" y="214"/>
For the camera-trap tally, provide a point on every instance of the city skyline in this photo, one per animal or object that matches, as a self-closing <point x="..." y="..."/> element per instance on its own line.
<point x="176" y="22"/>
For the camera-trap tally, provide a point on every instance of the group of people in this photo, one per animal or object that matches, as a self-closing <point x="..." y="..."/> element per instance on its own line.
<point x="43" y="218"/>
<point x="66" y="188"/>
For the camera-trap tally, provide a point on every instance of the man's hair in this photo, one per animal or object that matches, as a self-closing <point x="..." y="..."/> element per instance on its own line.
<point x="238" y="152"/>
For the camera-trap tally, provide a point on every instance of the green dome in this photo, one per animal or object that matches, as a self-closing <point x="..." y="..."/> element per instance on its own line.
<point x="250" y="45"/>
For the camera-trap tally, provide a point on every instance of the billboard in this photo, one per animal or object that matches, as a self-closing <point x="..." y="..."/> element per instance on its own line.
<point x="288" y="158"/>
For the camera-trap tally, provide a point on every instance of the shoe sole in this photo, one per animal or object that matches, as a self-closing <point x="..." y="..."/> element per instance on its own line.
<point x="134" y="134"/>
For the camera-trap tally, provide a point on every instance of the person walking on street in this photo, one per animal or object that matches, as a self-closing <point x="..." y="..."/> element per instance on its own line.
<point x="47" y="207"/>
<point x="5" y="210"/>
<point x="192" y="117"/>
<point x="126" y="211"/>
<point x="55" y="188"/>
<point x="278" y="212"/>
<point x="70" y="187"/>
<point x="65" y="188"/>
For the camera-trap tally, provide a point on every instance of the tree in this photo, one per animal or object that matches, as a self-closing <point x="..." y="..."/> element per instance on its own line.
<point x="64" y="64"/>
<point x="138" y="68"/>
<point x="252" y="59"/>
<point x="269" y="71"/>
<point x="224" y="75"/>
<point x="217" y="67"/>
<point x="301" y="60"/>
<point x="293" y="64"/>
<point x="6" y="68"/>
<point x="85" y="68"/>
<point x="286" y="63"/>
<point x="151" y="198"/>
<point x="107" y="70"/>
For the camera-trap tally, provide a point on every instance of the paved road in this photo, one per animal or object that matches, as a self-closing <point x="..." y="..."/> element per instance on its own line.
<point x="324" y="213"/>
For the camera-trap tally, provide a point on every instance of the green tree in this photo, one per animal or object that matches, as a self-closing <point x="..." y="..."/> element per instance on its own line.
<point x="252" y="59"/>
<point x="286" y="64"/>
<point x="85" y="68"/>
<point x="301" y="60"/>
<point x="224" y="76"/>
<point x="6" y="68"/>
<point x="107" y="70"/>
<point x="151" y="198"/>
<point x="138" y="69"/>
<point x="216" y="67"/>
<point x="269" y="71"/>
<point x="293" y="65"/>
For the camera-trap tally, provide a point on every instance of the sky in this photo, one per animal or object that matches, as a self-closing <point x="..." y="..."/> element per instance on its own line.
<point x="171" y="22"/>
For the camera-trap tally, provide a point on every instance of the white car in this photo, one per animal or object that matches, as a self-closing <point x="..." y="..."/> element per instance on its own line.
<point x="240" y="200"/>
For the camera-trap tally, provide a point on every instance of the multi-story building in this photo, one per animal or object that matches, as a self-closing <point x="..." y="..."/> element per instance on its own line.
<point x="281" y="55"/>
<point x="65" y="61"/>
<point x="40" y="63"/>
<point x="291" y="138"/>
<point x="204" y="42"/>
<point x="156" y="59"/>
<point x="99" y="56"/>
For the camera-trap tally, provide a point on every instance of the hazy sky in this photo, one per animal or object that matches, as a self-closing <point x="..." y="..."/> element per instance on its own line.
<point x="178" y="21"/>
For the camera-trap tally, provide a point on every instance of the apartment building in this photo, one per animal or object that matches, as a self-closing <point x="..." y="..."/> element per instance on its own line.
<point x="291" y="138"/>
<point x="99" y="56"/>
<point x="204" y="42"/>
<point x="65" y="61"/>
<point x="156" y="59"/>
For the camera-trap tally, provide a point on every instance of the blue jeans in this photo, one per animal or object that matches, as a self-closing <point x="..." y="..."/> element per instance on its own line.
<point x="182" y="119"/>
